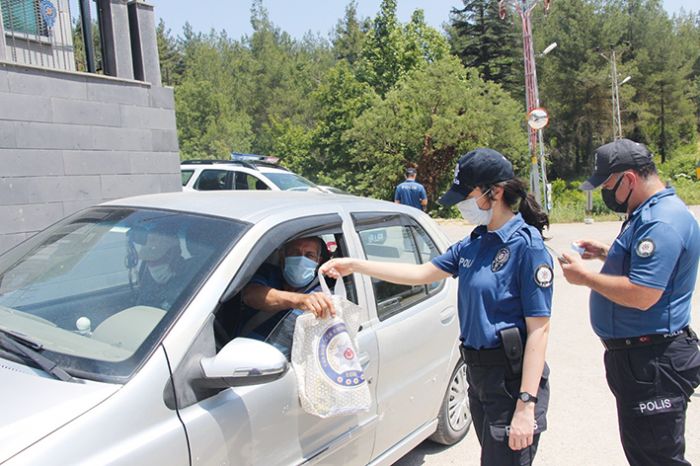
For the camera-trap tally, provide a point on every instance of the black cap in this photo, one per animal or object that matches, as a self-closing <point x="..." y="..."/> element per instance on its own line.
<point x="615" y="157"/>
<point x="480" y="167"/>
<point x="411" y="171"/>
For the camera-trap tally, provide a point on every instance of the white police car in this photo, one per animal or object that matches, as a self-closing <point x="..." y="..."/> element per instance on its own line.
<point x="96" y="369"/>
<point x="242" y="172"/>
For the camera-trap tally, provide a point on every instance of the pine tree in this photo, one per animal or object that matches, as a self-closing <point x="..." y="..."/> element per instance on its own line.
<point x="481" y="40"/>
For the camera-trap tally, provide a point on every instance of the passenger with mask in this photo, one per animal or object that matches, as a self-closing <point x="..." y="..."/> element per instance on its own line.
<point x="640" y="302"/>
<point x="504" y="302"/>
<point x="161" y="270"/>
<point x="285" y="291"/>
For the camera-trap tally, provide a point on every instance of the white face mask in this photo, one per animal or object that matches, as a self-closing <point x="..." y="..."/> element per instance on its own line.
<point x="472" y="213"/>
<point x="160" y="273"/>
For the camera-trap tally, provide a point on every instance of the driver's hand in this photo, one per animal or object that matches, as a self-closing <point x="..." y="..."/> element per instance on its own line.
<point x="320" y="304"/>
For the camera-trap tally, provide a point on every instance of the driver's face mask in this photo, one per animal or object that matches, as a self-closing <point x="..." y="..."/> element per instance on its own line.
<point x="160" y="273"/>
<point x="472" y="213"/>
<point x="299" y="271"/>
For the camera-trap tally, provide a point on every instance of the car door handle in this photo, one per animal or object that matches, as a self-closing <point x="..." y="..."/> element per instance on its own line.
<point x="364" y="362"/>
<point x="364" y="359"/>
<point x="447" y="315"/>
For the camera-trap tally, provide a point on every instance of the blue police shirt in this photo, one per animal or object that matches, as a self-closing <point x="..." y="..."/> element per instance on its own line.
<point x="504" y="276"/>
<point x="410" y="192"/>
<point x="658" y="247"/>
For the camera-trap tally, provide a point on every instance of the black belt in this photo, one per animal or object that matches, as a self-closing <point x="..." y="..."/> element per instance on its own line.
<point x="646" y="340"/>
<point x="484" y="357"/>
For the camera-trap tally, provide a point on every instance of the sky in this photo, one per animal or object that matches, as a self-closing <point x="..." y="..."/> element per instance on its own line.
<point x="297" y="17"/>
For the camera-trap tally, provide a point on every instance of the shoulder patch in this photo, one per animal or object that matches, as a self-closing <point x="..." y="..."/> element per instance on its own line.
<point x="645" y="248"/>
<point x="500" y="259"/>
<point x="544" y="276"/>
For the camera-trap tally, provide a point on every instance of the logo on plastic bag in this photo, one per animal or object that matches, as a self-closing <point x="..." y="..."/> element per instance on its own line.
<point x="337" y="357"/>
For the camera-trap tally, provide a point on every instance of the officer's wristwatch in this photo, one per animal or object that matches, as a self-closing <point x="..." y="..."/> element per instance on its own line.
<point x="525" y="397"/>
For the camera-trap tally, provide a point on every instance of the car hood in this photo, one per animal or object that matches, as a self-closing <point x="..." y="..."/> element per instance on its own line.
<point x="33" y="405"/>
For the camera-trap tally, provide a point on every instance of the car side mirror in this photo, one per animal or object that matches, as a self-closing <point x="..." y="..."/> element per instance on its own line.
<point x="242" y="362"/>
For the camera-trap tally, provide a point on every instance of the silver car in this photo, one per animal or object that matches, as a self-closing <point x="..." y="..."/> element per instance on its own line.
<point x="97" y="366"/>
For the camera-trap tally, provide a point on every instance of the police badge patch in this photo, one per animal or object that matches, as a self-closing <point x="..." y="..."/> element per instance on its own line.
<point x="544" y="276"/>
<point x="645" y="248"/>
<point x="500" y="260"/>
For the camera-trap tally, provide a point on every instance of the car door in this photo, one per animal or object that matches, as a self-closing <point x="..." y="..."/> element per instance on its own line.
<point x="416" y="329"/>
<point x="265" y="424"/>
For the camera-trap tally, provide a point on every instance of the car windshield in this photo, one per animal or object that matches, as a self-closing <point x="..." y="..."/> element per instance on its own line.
<point x="290" y="181"/>
<point x="98" y="290"/>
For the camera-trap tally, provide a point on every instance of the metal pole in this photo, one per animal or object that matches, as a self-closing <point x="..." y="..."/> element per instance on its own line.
<point x="86" y="23"/>
<point x="618" y="128"/>
<point x="531" y="98"/>
<point x="538" y="170"/>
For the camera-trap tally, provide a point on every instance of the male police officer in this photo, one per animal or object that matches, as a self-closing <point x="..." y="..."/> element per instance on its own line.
<point x="411" y="192"/>
<point x="640" y="303"/>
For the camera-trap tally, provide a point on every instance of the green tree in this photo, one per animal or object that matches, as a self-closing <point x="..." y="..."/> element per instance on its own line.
<point x="349" y="35"/>
<point x="380" y="65"/>
<point x="480" y="39"/>
<point x="422" y="43"/>
<point x="338" y="101"/>
<point x="171" y="64"/>
<point x="208" y="127"/>
<point x="437" y="112"/>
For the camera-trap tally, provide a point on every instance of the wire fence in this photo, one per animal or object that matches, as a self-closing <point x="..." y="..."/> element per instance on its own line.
<point x="38" y="32"/>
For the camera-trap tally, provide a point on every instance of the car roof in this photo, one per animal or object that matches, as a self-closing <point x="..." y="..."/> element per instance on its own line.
<point x="233" y="165"/>
<point x="253" y="206"/>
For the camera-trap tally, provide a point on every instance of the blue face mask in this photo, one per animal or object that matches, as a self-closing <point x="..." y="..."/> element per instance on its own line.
<point x="299" y="271"/>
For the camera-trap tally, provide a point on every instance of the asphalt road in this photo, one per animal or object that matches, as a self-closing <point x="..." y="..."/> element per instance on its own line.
<point x="582" y="422"/>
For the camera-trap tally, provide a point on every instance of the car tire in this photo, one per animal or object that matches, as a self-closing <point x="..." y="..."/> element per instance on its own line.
<point x="454" y="418"/>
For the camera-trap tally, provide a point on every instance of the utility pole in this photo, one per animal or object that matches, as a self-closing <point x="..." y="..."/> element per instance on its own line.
<point x="615" y="91"/>
<point x="538" y="169"/>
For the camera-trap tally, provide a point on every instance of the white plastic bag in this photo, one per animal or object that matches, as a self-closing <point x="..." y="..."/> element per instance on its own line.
<point x="325" y="359"/>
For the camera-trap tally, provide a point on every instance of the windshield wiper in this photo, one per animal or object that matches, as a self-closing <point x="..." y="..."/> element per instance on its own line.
<point x="29" y="349"/>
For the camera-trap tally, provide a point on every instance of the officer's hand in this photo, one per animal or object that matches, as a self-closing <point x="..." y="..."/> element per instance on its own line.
<point x="575" y="271"/>
<point x="336" y="268"/>
<point x="320" y="304"/>
<point x="522" y="426"/>
<point x="593" y="249"/>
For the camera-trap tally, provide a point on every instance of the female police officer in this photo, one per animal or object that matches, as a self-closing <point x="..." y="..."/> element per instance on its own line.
<point x="505" y="293"/>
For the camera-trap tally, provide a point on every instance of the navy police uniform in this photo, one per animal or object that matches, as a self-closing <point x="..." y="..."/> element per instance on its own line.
<point x="652" y="361"/>
<point x="505" y="276"/>
<point x="410" y="192"/>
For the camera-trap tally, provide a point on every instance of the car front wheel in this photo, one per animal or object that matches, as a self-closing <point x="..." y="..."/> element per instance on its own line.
<point x="454" y="418"/>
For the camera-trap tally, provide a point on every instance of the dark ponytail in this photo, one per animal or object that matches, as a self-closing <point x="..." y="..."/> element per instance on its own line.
<point x="514" y="193"/>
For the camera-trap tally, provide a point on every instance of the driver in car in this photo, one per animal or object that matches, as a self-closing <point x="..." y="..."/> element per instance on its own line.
<point x="285" y="291"/>
<point x="161" y="270"/>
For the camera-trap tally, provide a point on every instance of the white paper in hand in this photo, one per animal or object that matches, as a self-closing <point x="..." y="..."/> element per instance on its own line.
<point x="325" y="359"/>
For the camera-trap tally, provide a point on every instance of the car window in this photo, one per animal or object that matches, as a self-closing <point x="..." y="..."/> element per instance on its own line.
<point x="426" y="249"/>
<point x="246" y="181"/>
<point x="289" y="181"/>
<point x="392" y="244"/>
<point x="236" y="319"/>
<point x="186" y="175"/>
<point x="402" y="240"/>
<point x="213" y="180"/>
<point x="92" y="289"/>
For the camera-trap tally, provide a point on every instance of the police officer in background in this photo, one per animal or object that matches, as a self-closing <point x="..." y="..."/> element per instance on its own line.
<point x="505" y="295"/>
<point x="640" y="303"/>
<point x="411" y="192"/>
